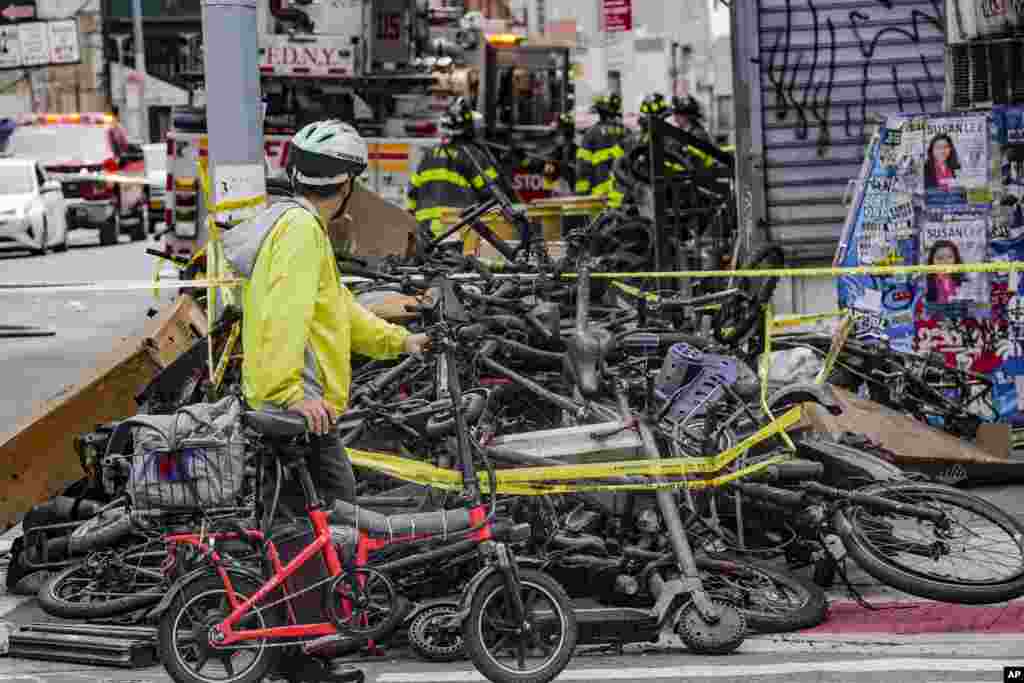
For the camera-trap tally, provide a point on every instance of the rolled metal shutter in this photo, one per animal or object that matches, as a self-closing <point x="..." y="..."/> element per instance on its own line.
<point x="827" y="69"/>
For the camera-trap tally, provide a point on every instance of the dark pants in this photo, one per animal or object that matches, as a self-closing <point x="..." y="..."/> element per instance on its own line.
<point x="332" y="476"/>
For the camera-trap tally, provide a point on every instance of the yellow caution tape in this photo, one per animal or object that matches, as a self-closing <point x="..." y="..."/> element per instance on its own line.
<point x="764" y="370"/>
<point x="115" y="178"/>
<point x="222" y="365"/>
<point x="994" y="267"/>
<point x="838" y="342"/>
<point x="778" y="321"/>
<point x="570" y="478"/>
<point x="115" y="285"/>
<point x="236" y="204"/>
<point x="781" y="321"/>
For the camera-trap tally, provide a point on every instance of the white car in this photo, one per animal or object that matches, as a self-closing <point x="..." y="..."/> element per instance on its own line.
<point x="32" y="208"/>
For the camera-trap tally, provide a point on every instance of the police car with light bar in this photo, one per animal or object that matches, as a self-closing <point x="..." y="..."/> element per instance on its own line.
<point x="88" y="154"/>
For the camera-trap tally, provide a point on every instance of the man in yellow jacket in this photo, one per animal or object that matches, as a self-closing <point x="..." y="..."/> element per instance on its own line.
<point x="301" y="324"/>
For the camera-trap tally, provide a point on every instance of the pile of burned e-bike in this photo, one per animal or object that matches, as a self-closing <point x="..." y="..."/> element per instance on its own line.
<point x="575" y="461"/>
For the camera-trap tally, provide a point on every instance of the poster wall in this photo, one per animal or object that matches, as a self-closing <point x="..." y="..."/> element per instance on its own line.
<point x="945" y="189"/>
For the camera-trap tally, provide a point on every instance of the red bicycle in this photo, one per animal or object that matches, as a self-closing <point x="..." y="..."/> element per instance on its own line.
<point x="517" y="623"/>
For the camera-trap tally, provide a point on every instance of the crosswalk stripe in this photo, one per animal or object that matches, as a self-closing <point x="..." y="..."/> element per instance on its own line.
<point x="859" y="666"/>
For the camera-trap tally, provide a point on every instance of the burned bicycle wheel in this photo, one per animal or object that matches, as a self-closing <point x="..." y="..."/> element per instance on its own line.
<point x="108" y="583"/>
<point x="972" y="553"/>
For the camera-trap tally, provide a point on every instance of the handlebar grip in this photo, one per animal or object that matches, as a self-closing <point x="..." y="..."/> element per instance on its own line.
<point x="794" y="470"/>
<point x="639" y="340"/>
<point x="174" y="259"/>
<point x="472" y="332"/>
<point x="518" y="268"/>
<point x="782" y="497"/>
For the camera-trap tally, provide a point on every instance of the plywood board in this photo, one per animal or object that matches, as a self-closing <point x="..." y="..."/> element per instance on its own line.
<point x="911" y="441"/>
<point x="376" y="227"/>
<point x="38" y="458"/>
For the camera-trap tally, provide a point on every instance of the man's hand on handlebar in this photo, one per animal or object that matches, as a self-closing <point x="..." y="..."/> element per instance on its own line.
<point x="320" y="416"/>
<point x="417" y="343"/>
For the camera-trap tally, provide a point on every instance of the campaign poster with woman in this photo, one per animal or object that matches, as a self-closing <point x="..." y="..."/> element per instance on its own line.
<point x="950" y="239"/>
<point x="957" y="161"/>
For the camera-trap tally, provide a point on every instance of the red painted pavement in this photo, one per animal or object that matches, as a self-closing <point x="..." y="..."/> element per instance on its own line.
<point x="911" y="618"/>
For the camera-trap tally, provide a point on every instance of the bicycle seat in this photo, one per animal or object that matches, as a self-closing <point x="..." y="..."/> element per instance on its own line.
<point x="585" y="353"/>
<point x="276" y="424"/>
<point x="442" y="522"/>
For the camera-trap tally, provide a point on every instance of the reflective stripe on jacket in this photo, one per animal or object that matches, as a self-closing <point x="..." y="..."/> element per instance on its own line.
<point x="447" y="179"/>
<point x="602" y="144"/>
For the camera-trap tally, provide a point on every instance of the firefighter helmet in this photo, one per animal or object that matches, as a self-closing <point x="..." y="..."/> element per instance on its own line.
<point x="688" y="106"/>
<point x="655" y="105"/>
<point x="327" y="153"/>
<point x="459" y="119"/>
<point x="608" y="105"/>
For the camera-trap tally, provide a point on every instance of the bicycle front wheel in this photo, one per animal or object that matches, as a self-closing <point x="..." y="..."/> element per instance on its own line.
<point x="505" y="653"/>
<point x="184" y="644"/>
<point x="974" y="556"/>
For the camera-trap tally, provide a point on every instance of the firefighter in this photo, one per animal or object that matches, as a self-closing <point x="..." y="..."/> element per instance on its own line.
<point x="448" y="178"/>
<point x="689" y="116"/>
<point x="655" y="106"/>
<point x="602" y="144"/>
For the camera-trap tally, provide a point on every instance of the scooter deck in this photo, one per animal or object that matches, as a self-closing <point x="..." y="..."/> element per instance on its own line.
<point x="100" y="645"/>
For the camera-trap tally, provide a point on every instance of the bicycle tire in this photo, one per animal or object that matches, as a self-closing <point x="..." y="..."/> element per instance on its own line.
<point x="729" y="331"/>
<point x="204" y="586"/>
<point x="476" y="643"/>
<point x="102" y="531"/>
<point x="765" y="614"/>
<point x="424" y="641"/>
<point x="52" y="602"/>
<point x="886" y="568"/>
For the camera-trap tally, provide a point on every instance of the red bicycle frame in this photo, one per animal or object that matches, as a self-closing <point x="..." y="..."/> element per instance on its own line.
<point x="322" y="544"/>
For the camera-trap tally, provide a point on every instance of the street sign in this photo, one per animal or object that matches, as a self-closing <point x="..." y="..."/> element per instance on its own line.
<point x="35" y="43"/>
<point x="39" y="43"/>
<point x="618" y="15"/>
<point x="17" y="10"/>
<point x="64" y="41"/>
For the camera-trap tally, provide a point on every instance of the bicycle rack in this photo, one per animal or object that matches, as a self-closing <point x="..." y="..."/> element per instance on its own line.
<point x="677" y="207"/>
<point x="128" y="647"/>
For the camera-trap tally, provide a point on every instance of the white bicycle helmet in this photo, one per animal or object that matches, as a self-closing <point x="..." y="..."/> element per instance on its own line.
<point x="327" y="153"/>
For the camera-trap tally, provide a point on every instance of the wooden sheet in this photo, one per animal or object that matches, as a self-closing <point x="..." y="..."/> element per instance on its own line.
<point x="38" y="458"/>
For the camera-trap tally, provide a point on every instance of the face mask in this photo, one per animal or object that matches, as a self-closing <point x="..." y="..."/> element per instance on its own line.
<point x="344" y="203"/>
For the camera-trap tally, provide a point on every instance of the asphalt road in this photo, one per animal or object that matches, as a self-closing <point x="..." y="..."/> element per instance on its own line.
<point x="86" y="325"/>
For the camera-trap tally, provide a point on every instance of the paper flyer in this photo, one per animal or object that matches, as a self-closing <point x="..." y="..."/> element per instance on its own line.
<point x="957" y="161"/>
<point x="902" y="150"/>
<point x="1008" y="159"/>
<point x="954" y="238"/>
<point x="888" y="218"/>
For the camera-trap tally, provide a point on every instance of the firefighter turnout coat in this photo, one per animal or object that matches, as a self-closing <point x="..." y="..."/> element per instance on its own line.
<point x="602" y="144"/>
<point x="448" y="179"/>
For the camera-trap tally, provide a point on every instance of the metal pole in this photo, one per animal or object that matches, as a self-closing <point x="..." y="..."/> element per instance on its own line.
<point x="233" y="107"/>
<point x="232" y="87"/>
<point x="140" y="66"/>
<point x="122" y="94"/>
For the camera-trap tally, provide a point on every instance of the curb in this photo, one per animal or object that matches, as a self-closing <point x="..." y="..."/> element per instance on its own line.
<point x="966" y="644"/>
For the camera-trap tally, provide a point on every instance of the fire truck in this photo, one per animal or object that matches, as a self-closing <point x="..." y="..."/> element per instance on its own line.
<point x="390" y="67"/>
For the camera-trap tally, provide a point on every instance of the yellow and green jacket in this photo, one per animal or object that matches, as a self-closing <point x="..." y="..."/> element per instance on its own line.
<point x="301" y="324"/>
<point x="602" y="144"/>
<point x="447" y="179"/>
